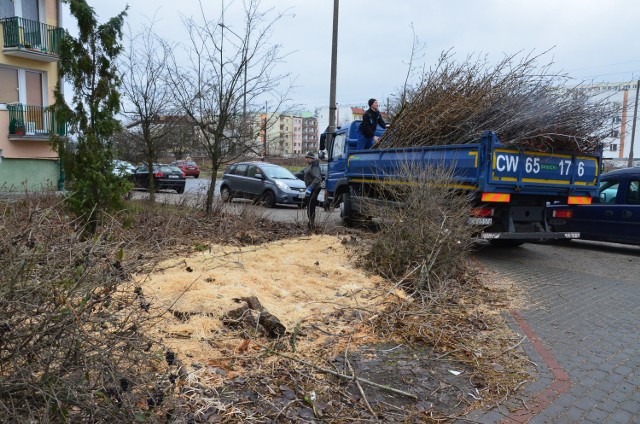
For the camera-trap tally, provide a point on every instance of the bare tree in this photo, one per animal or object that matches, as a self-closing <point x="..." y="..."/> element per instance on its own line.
<point x="148" y="97"/>
<point x="230" y="70"/>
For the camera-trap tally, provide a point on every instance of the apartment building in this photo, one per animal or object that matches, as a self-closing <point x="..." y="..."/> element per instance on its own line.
<point x="310" y="140"/>
<point x="286" y="135"/>
<point x="618" y="145"/>
<point x="30" y="41"/>
<point x="296" y="135"/>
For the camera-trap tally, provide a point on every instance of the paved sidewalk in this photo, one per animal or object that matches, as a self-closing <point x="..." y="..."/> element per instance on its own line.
<point x="583" y="332"/>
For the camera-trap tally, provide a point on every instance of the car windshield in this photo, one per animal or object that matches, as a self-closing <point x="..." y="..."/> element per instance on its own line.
<point x="278" y="172"/>
<point x="168" y="169"/>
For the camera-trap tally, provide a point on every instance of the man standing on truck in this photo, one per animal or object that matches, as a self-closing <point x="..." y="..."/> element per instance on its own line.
<point x="313" y="181"/>
<point x="370" y="121"/>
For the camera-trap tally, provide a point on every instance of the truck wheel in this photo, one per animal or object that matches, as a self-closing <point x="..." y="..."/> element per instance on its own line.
<point x="346" y="210"/>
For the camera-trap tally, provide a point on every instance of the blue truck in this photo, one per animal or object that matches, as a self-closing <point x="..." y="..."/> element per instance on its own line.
<point x="510" y="187"/>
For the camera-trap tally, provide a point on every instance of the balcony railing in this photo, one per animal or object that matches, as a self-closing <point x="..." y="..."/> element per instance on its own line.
<point x="34" y="121"/>
<point x="31" y="37"/>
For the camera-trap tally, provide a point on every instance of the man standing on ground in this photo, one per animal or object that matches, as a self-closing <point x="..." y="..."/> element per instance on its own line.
<point x="313" y="181"/>
<point x="370" y="121"/>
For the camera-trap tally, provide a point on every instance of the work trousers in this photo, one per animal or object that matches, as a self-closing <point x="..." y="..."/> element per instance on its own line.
<point x="312" y="203"/>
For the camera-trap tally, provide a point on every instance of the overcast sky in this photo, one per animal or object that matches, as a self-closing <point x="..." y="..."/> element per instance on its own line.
<point x="591" y="40"/>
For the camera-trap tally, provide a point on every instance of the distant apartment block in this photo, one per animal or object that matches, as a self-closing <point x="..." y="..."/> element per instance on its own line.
<point x="618" y="144"/>
<point x="286" y="135"/>
<point x="310" y="140"/>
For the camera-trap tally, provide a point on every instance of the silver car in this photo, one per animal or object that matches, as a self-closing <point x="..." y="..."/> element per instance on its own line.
<point x="262" y="182"/>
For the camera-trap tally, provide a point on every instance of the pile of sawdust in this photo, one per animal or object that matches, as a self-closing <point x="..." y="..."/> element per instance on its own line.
<point x="300" y="281"/>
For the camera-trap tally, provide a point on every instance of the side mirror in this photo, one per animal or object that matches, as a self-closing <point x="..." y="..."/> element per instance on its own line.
<point x="259" y="176"/>
<point x="323" y="141"/>
<point x="603" y="197"/>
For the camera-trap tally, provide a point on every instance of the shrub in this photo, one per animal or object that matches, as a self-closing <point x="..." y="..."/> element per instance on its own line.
<point x="424" y="238"/>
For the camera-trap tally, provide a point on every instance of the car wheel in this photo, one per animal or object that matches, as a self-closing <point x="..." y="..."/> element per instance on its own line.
<point x="269" y="199"/>
<point x="196" y="175"/>
<point x="226" y="194"/>
<point x="180" y="190"/>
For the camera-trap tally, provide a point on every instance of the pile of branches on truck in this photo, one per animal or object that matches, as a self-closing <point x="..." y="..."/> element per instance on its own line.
<point x="525" y="104"/>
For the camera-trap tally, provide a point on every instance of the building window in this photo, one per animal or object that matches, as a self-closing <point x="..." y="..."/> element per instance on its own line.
<point x="6" y="9"/>
<point x="9" y="85"/>
<point x="615" y="134"/>
<point x="613" y="147"/>
<point x="22" y="86"/>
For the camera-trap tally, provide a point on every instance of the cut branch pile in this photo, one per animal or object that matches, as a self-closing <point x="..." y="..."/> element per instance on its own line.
<point x="525" y="104"/>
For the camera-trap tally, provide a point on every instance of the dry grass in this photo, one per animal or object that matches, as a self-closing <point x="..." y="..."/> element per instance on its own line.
<point x="160" y="277"/>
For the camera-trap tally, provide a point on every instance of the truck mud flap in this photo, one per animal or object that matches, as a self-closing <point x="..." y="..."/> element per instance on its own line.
<point x="528" y="236"/>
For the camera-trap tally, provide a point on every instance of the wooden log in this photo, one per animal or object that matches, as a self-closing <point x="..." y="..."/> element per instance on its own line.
<point x="272" y="324"/>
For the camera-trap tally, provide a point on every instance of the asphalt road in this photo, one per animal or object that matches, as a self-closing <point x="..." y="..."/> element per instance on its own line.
<point x="196" y="190"/>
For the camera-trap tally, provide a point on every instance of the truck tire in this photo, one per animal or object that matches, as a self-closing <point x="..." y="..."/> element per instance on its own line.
<point x="346" y="209"/>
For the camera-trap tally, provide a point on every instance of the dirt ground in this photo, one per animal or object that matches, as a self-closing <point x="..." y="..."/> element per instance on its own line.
<point x="235" y="372"/>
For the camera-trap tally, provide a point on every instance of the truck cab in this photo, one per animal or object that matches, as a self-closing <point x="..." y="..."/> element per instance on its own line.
<point x="342" y="144"/>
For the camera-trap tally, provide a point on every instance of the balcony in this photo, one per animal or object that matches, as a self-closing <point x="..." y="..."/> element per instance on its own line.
<point x="31" y="39"/>
<point x="33" y="123"/>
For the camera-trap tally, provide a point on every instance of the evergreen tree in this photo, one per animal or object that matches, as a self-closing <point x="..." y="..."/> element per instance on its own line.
<point x="87" y="62"/>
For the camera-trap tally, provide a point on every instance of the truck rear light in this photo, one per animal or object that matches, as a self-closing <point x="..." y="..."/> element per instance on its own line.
<point x="496" y="197"/>
<point x="562" y="213"/>
<point x="482" y="211"/>
<point x="579" y="200"/>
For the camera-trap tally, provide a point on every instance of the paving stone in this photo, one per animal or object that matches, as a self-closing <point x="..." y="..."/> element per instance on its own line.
<point x="631" y="406"/>
<point x="587" y="321"/>
<point x="621" y="417"/>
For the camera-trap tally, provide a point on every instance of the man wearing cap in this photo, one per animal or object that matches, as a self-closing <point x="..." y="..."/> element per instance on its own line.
<point x="370" y="121"/>
<point x="313" y="181"/>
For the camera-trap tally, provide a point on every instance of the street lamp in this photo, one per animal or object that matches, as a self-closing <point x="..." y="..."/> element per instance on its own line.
<point x="244" y="64"/>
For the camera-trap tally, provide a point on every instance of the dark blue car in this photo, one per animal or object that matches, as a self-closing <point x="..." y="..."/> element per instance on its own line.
<point x="613" y="217"/>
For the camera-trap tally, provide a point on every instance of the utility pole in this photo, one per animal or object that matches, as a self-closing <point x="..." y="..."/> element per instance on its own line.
<point x="334" y="58"/>
<point x="633" y="126"/>
<point x="264" y="139"/>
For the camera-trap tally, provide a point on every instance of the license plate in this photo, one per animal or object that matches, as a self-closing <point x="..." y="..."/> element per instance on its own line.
<point x="173" y="176"/>
<point x="301" y="195"/>
<point x="480" y="221"/>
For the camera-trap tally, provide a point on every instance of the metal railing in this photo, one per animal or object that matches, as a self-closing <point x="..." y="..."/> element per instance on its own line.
<point x="34" y="120"/>
<point x="31" y="35"/>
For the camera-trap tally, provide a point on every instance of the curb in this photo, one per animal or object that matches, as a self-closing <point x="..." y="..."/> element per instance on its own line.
<point x="561" y="381"/>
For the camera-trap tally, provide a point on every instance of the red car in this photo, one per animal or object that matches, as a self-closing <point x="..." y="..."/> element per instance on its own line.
<point x="189" y="167"/>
